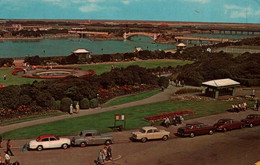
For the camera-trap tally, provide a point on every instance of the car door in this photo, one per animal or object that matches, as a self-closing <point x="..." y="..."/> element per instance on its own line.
<point x="45" y="142"/>
<point x="149" y="134"/>
<point x="157" y="134"/>
<point x="258" y="119"/>
<point x="97" y="138"/>
<point x="89" y="138"/>
<point x="54" y="143"/>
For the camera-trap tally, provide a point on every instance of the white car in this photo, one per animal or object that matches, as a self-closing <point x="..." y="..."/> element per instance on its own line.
<point x="149" y="133"/>
<point x="49" y="141"/>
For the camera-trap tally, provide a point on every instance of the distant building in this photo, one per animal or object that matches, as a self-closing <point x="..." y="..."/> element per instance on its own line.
<point x="82" y="53"/>
<point x="181" y="46"/>
<point x="138" y="49"/>
<point x="216" y="88"/>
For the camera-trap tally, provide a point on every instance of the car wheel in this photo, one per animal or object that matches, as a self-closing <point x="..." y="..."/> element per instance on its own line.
<point x="210" y="132"/>
<point x="143" y="140"/>
<point x="39" y="148"/>
<point x="64" y="146"/>
<point x="251" y="125"/>
<point x="108" y="142"/>
<point x="192" y="135"/>
<point x="83" y="144"/>
<point x="241" y="126"/>
<point x="224" y="129"/>
<point x="165" y="137"/>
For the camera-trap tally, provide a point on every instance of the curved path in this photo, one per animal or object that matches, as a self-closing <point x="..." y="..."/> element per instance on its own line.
<point x="162" y="96"/>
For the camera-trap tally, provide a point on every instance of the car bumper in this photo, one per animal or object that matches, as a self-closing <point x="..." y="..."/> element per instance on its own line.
<point x="183" y="134"/>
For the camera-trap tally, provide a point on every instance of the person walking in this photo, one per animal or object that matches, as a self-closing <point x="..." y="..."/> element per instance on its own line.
<point x="109" y="152"/>
<point x="71" y="109"/>
<point x="8" y="146"/>
<point x="77" y="107"/>
<point x="101" y="157"/>
<point x="7" y="159"/>
<point x="4" y="76"/>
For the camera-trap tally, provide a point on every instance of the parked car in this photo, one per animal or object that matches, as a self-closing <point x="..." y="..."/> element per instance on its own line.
<point x="195" y="128"/>
<point x="228" y="124"/>
<point x="49" y="141"/>
<point x="91" y="137"/>
<point x="149" y="133"/>
<point x="251" y="120"/>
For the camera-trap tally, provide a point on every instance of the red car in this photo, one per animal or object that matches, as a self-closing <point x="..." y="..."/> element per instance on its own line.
<point x="251" y="120"/>
<point x="228" y="124"/>
<point x="197" y="128"/>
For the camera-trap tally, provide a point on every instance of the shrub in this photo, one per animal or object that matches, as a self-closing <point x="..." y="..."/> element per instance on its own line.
<point x="65" y="104"/>
<point x="93" y="103"/>
<point x="163" y="82"/>
<point x="84" y="103"/>
<point x="57" y="105"/>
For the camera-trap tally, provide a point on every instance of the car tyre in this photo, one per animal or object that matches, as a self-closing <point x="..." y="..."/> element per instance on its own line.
<point x="39" y="148"/>
<point x="192" y="135"/>
<point x="251" y="125"/>
<point x="143" y="140"/>
<point x="210" y="132"/>
<point x="65" y="146"/>
<point x="165" y="137"/>
<point x="83" y="144"/>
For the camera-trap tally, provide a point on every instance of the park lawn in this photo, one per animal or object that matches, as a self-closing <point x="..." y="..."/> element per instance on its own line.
<point x="14" y="79"/>
<point x="102" y="68"/>
<point x="134" y="118"/>
<point x="29" y="118"/>
<point x="130" y="98"/>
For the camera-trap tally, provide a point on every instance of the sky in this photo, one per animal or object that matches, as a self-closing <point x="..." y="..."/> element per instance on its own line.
<point x="233" y="11"/>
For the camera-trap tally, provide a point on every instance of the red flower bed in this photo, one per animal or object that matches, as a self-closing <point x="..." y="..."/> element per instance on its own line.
<point x="16" y="70"/>
<point x="164" y="115"/>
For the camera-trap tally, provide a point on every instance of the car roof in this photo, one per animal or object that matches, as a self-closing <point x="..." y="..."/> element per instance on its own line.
<point x="194" y="123"/>
<point x="225" y="119"/>
<point x="149" y="127"/>
<point x="45" y="136"/>
<point x="89" y="131"/>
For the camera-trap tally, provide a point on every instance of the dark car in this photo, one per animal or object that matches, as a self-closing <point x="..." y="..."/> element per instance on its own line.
<point x="251" y="120"/>
<point x="91" y="137"/>
<point x="197" y="128"/>
<point x="228" y="124"/>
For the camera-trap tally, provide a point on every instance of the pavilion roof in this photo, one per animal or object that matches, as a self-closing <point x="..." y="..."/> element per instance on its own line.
<point x="221" y="83"/>
<point x="181" y="45"/>
<point x="80" y="51"/>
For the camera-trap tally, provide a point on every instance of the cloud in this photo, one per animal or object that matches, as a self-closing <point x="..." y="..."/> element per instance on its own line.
<point x="90" y="8"/>
<point x="235" y="11"/>
<point x="198" y="1"/>
<point x="126" y="2"/>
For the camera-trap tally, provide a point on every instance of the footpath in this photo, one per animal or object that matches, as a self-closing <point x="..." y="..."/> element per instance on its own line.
<point x="162" y="96"/>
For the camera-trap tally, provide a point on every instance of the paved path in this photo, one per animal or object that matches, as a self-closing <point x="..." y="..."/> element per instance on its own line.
<point x="162" y="96"/>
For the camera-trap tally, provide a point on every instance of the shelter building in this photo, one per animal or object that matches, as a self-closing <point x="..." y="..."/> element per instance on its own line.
<point x="82" y="53"/>
<point x="219" y="87"/>
<point x="181" y="46"/>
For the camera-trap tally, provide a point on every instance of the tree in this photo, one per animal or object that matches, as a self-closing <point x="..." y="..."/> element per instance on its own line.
<point x="65" y="104"/>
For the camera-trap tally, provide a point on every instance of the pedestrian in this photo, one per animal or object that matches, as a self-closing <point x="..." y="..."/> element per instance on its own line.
<point x="256" y="105"/>
<point x="7" y="159"/>
<point x="8" y="146"/>
<point x="1" y="140"/>
<point x="1" y="160"/>
<point x="167" y="122"/>
<point x="253" y="93"/>
<point x="109" y="152"/>
<point x="101" y="157"/>
<point x="71" y="109"/>
<point x="105" y="152"/>
<point x="77" y="107"/>
<point x="182" y="119"/>
<point x="4" y="76"/>
<point x="179" y="83"/>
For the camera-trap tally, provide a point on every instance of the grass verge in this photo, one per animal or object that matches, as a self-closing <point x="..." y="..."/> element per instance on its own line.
<point x="130" y="98"/>
<point x="134" y="118"/>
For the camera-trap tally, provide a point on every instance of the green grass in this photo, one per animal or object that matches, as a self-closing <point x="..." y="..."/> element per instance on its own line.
<point x="134" y="118"/>
<point x="14" y="79"/>
<point x="30" y="118"/>
<point x="131" y="98"/>
<point x="102" y="68"/>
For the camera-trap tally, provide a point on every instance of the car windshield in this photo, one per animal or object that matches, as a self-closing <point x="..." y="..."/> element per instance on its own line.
<point x="142" y="130"/>
<point x="221" y="121"/>
<point x="250" y="117"/>
<point x="38" y="139"/>
<point x="189" y="126"/>
<point x="57" y="138"/>
<point x="80" y="134"/>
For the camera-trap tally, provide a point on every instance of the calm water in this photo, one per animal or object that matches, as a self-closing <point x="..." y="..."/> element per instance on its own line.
<point x="64" y="47"/>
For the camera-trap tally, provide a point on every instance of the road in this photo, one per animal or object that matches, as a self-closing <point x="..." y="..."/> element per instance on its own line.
<point x="237" y="147"/>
